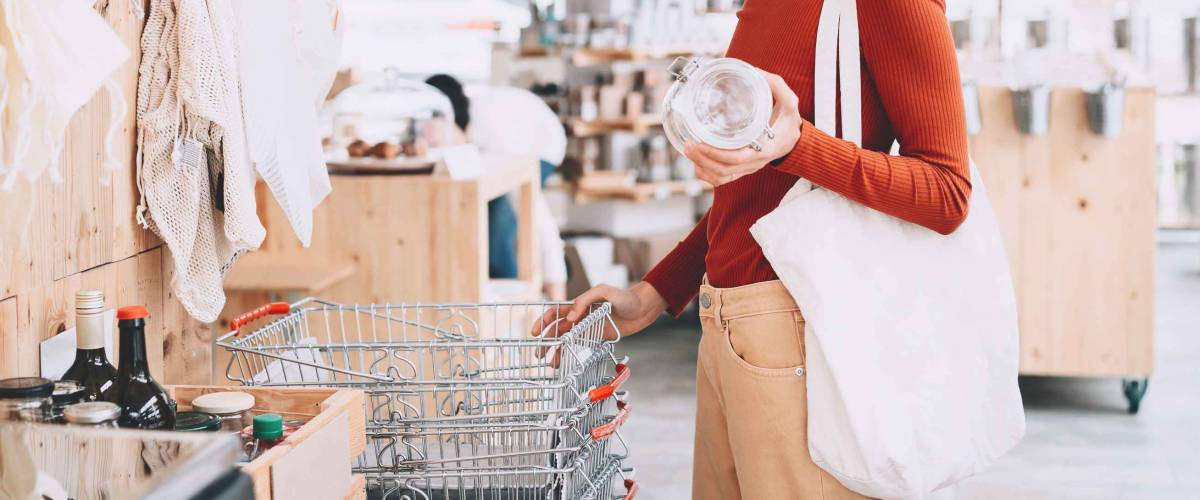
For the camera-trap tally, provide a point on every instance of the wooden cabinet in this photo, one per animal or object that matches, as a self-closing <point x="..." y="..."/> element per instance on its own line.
<point x="1078" y="215"/>
<point x="408" y="239"/>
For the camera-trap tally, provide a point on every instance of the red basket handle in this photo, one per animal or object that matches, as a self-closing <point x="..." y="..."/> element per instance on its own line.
<point x="604" y="430"/>
<point x="262" y="312"/>
<point x="606" y="390"/>
<point x="631" y="489"/>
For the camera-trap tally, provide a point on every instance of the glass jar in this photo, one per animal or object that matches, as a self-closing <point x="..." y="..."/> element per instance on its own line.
<point x="232" y="407"/>
<point x="66" y="393"/>
<point x="93" y="414"/>
<point x="197" y="421"/>
<point x="722" y="102"/>
<point x="25" y="399"/>
<point x="266" y="432"/>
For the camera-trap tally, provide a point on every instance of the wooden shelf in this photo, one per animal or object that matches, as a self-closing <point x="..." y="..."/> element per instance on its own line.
<point x="639" y="192"/>
<point x="594" y="56"/>
<point x="640" y="125"/>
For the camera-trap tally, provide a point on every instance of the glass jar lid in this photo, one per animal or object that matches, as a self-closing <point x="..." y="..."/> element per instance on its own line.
<point x="197" y="421"/>
<point x="223" y="403"/>
<point x="26" y="388"/>
<point x="93" y="412"/>
<point x="723" y="102"/>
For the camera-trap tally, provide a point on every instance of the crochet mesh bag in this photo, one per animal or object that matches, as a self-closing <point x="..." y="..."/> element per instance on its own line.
<point x="193" y="174"/>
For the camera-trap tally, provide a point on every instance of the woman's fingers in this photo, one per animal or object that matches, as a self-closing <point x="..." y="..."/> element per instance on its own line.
<point x="780" y="91"/>
<point x="727" y="157"/>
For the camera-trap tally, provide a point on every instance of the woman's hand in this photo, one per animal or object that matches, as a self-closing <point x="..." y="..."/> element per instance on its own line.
<point x="722" y="166"/>
<point x="633" y="309"/>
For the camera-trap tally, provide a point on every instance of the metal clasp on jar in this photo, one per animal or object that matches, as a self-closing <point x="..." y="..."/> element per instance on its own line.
<point x="769" y="132"/>
<point x="683" y="67"/>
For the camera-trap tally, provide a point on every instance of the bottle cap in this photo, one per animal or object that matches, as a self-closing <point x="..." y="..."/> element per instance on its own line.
<point x="197" y="421"/>
<point x="132" y="312"/>
<point x="268" y="426"/>
<point x="92" y="412"/>
<point x="25" y="388"/>
<point x="89" y="300"/>
<point x="68" y="392"/>
<point x="223" y="403"/>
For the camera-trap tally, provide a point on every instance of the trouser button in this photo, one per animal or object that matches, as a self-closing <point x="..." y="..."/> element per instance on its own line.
<point x="705" y="301"/>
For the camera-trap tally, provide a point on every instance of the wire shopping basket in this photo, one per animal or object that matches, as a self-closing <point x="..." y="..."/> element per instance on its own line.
<point x="454" y="391"/>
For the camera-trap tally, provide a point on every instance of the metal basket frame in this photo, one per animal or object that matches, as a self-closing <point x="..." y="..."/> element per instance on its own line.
<point x="447" y="400"/>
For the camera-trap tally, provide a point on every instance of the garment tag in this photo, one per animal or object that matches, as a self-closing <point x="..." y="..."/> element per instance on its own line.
<point x="188" y="153"/>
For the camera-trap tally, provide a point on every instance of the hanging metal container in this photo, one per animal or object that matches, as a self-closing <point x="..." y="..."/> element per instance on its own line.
<point x="1031" y="107"/>
<point x="1106" y="109"/>
<point x="722" y="102"/>
<point x="970" y="93"/>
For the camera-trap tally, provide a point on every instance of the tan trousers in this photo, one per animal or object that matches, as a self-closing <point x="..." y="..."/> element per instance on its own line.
<point x="751" y="407"/>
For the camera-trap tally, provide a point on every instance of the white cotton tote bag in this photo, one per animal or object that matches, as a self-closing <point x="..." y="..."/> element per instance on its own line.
<point x="911" y="336"/>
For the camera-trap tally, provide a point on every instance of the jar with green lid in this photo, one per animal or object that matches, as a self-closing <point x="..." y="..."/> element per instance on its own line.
<point x="232" y="407"/>
<point x="197" y="421"/>
<point x="25" y="399"/>
<point x="267" y="432"/>
<point x="66" y="393"/>
<point x="92" y="414"/>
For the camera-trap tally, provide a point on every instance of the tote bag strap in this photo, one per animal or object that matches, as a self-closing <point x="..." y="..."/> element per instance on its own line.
<point x="837" y="54"/>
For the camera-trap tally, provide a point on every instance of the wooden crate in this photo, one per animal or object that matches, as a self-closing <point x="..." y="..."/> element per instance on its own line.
<point x="95" y="463"/>
<point x="307" y="464"/>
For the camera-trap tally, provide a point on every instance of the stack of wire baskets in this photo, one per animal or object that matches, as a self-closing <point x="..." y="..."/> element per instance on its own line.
<point x="462" y="401"/>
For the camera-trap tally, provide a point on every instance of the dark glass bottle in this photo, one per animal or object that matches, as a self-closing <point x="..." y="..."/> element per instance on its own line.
<point x="91" y="367"/>
<point x="144" y="403"/>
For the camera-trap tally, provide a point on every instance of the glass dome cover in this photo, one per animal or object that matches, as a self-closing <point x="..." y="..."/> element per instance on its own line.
<point x="723" y="102"/>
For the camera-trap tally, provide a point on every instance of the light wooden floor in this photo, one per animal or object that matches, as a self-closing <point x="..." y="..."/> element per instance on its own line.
<point x="1080" y="442"/>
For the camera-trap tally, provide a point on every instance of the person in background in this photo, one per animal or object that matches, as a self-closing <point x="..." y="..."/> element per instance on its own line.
<point x="513" y="121"/>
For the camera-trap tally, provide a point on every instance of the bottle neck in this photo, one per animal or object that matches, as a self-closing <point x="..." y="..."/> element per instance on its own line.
<point x="133" y="348"/>
<point x="89" y="329"/>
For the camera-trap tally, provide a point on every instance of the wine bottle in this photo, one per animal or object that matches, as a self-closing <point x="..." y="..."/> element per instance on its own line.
<point x="91" y="367"/>
<point x="144" y="403"/>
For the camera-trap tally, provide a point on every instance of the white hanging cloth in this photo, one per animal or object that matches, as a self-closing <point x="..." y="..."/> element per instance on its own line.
<point x="57" y="54"/>
<point x="288" y="53"/>
<point x="194" y="174"/>
<point x="911" y="336"/>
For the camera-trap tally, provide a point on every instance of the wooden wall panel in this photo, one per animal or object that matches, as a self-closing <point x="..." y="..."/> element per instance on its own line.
<point x="82" y="233"/>
<point x="1077" y="212"/>
<point x="9" y="361"/>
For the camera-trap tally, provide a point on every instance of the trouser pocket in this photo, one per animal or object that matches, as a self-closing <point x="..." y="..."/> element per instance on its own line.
<point x="767" y="344"/>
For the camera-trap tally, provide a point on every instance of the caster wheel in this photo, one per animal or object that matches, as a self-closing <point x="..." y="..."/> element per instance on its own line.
<point x="1135" y="390"/>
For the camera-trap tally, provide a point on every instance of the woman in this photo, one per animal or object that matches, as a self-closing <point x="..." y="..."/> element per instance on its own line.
<point x="750" y="391"/>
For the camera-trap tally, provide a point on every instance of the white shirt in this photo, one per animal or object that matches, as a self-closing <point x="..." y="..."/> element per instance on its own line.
<point x="516" y="121"/>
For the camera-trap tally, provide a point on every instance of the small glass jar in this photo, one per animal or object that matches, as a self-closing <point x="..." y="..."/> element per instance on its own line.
<point x="232" y="407"/>
<point x="197" y="421"/>
<point x="25" y="399"/>
<point x="723" y="102"/>
<point x="267" y="431"/>
<point x="93" y="414"/>
<point x="66" y="393"/>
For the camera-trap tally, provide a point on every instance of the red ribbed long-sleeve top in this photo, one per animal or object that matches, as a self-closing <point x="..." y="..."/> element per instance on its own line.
<point x="910" y="94"/>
